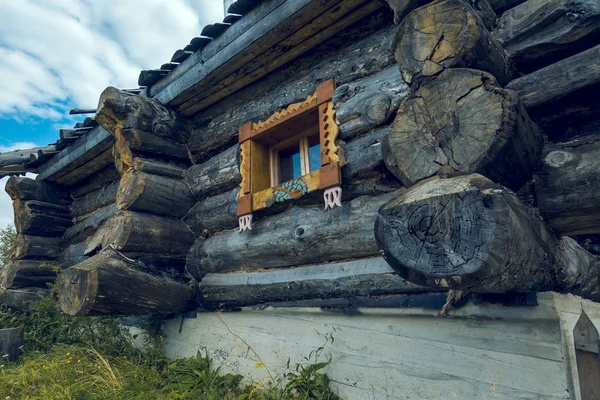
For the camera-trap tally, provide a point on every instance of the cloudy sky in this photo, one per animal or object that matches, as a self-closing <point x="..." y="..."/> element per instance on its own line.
<point x="56" y="55"/>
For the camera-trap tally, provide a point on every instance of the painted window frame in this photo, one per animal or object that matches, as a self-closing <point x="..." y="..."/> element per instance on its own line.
<point x="254" y="193"/>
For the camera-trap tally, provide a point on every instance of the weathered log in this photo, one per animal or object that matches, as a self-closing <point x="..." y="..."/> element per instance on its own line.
<point x="368" y="103"/>
<point x="366" y="45"/>
<point x="100" y="179"/>
<point x="123" y="110"/>
<point x="11" y="341"/>
<point x="41" y="219"/>
<point x="364" y="277"/>
<point x="559" y="79"/>
<point x="217" y="175"/>
<point x="131" y="232"/>
<point x="154" y="194"/>
<point x="17" y="157"/>
<point x="18" y="274"/>
<point x="401" y="8"/>
<point x="213" y="214"/>
<point x="36" y="247"/>
<point x="301" y="235"/>
<point x="469" y="233"/>
<point x="108" y="284"/>
<point x="88" y="224"/>
<point x="133" y="142"/>
<point x="21" y="299"/>
<point x="94" y="200"/>
<point x="538" y="32"/>
<point x="566" y="186"/>
<point x="446" y="34"/>
<point x="462" y="122"/>
<point x="500" y="6"/>
<point x="29" y="189"/>
<point x="73" y="254"/>
<point x="155" y="167"/>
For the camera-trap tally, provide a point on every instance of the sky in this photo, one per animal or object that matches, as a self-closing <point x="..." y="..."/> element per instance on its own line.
<point x="56" y="55"/>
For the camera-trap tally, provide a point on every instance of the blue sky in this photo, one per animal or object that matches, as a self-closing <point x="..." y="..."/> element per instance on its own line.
<point x="56" y="55"/>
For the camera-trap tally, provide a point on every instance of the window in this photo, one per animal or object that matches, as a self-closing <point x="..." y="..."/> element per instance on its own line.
<point x="290" y="154"/>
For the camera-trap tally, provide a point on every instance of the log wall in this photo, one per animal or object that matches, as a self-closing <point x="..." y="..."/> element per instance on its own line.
<point x="168" y="198"/>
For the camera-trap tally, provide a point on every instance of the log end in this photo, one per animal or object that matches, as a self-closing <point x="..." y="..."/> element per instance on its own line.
<point x="131" y="187"/>
<point x="440" y="233"/>
<point x="77" y="288"/>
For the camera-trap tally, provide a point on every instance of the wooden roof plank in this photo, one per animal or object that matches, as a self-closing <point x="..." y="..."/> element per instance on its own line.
<point x="218" y="44"/>
<point x="97" y="141"/>
<point x="219" y="87"/>
<point x="215" y="30"/>
<point x="242" y="6"/>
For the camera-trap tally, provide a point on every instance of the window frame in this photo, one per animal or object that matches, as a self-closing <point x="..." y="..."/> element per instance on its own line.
<point x="260" y="142"/>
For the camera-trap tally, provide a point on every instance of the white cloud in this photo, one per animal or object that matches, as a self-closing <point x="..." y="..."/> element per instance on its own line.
<point x="60" y="54"/>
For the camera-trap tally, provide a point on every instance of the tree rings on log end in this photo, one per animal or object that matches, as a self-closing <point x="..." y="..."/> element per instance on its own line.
<point x="462" y="122"/>
<point x="465" y="233"/>
<point x="445" y="34"/>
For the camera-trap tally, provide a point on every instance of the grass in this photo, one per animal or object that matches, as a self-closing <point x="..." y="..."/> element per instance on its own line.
<point x="94" y="358"/>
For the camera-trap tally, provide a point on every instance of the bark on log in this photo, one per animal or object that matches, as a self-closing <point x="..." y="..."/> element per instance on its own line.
<point x="469" y="233"/>
<point x="462" y="122"/>
<point x="36" y="247"/>
<point x="446" y="34"/>
<point x="154" y="194"/>
<point x="107" y="284"/>
<point x="402" y="8"/>
<point x="95" y="182"/>
<point x="41" y="219"/>
<point x="94" y="200"/>
<point x="538" y="32"/>
<point x="29" y="189"/>
<point x="365" y="277"/>
<point x="20" y="299"/>
<point x="295" y="237"/>
<point x="217" y="175"/>
<point x="566" y="186"/>
<point x="133" y="142"/>
<point x="155" y="167"/>
<point x="18" y="274"/>
<point x="85" y="227"/>
<point x="559" y="79"/>
<point x="11" y="341"/>
<point x="131" y="232"/>
<point x="123" y="110"/>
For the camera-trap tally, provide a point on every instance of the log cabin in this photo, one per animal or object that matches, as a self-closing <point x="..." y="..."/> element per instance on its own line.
<point x="418" y="177"/>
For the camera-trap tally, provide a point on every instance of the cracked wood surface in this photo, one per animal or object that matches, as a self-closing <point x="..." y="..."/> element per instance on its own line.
<point x="458" y="123"/>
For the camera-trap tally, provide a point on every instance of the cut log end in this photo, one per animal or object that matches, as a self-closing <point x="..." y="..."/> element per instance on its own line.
<point x="446" y="34"/>
<point x="459" y="123"/>
<point x="465" y="233"/>
<point x="78" y="288"/>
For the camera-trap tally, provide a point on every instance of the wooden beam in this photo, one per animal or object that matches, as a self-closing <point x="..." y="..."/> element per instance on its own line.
<point x="559" y="79"/>
<point x="88" y="147"/>
<point x="22" y="156"/>
<point x="364" y="277"/>
<point x="281" y="23"/>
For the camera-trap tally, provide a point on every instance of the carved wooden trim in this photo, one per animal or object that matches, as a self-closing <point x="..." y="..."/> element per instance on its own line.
<point x="253" y="197"/>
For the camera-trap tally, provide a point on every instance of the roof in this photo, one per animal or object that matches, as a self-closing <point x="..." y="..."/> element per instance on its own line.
<point x="255" y="38"/>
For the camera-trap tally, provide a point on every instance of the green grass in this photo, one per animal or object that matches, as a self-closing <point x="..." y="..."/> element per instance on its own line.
<point x="94" y="358"/>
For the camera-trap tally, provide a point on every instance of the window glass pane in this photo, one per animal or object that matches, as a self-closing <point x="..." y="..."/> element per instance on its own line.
<point x="314" y="152"/>
<point x="289" y="163"/>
